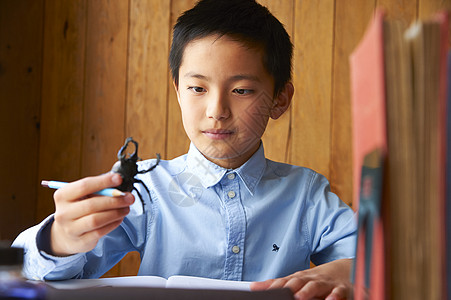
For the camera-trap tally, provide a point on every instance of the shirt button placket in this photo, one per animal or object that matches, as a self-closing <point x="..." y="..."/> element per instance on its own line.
<point x="237" y="228"/>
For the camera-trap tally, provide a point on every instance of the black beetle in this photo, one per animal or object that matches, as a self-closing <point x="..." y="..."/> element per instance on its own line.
<point x="127" y="167"/>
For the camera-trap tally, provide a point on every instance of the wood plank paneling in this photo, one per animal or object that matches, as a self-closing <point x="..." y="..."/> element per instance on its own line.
<point x="146" y="109"/>
<point x="313" y="40"/>
<point x="105" y="87"/>
<point x="348" y="32"/>
<point x="62" y="96"/>
<point x="404" y="10"/>
<point x="129" y="265"/>
<point x="177" y="140"/>
<point x="276" y="138"/>
<point x="426" y="8"/>
<point x="20" y="94"/>
<point x="147" y="82"/>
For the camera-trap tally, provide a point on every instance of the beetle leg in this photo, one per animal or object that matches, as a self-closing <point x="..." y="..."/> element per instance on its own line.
<point x="140" y="197"/>
<point x="145" y="187"/>
<point x="152" y="167"/>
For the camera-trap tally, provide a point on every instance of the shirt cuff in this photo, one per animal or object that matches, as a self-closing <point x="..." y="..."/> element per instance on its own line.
<point x="40" y="265"/>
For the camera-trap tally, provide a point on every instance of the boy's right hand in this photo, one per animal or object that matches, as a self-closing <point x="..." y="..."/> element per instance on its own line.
<point x="82" y="218"/>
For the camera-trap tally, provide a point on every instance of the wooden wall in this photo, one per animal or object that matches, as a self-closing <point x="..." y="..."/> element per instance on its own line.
<point x="78" y="76"/>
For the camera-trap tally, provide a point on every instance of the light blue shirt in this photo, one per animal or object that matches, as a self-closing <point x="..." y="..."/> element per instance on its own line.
<point x="262" y="220"/>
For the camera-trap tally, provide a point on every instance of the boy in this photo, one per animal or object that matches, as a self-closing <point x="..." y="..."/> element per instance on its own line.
<point x="222" y="210"/>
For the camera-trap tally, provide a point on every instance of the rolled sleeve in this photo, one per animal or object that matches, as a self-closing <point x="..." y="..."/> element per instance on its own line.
<point x="38" y="264"/>
<point x="333" y="224"/>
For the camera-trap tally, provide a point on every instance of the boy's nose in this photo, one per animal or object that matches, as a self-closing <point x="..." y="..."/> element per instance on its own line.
<point x="218" y="107"/>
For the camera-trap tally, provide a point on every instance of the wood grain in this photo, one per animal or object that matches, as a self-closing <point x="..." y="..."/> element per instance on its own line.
<point x="147" y="84"/>
<point x="313" y="40"/>
<point x="348" y="32"/>
<point x="105" y="85"/>
<point x="276" y="138"/>
<point x="62" y="96"/>
<point x="146" y="109"/>
<point x="177" y="142"/>
<point x="105" y="88"/>
<point x="20" y="101"/>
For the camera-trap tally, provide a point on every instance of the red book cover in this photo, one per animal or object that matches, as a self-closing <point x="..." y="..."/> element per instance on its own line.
<point x="368" y="133"/>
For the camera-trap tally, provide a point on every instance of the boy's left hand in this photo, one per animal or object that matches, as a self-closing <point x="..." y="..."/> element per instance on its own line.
<point x="330" y="281"/>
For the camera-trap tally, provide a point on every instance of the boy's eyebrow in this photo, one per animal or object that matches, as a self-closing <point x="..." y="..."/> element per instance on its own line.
<point x="245" y="77"/>
<point x="231" y="79"/>
<point x="195" y="75"/>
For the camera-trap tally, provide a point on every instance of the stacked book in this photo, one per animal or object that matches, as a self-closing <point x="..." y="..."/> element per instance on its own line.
<point x="399" y="90"/>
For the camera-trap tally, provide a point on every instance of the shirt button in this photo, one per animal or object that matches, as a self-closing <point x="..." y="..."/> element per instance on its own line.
<point x="235" y="249"/>
<point x="231" y="194"/>
<point x="231" y="176"/>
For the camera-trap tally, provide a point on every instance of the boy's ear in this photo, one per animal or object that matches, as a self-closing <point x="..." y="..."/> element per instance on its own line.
<point x="282" y="101"/>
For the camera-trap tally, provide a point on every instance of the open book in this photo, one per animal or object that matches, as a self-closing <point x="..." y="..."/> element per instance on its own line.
<point x="159" y="288"/>
<point x="177" y="281"/>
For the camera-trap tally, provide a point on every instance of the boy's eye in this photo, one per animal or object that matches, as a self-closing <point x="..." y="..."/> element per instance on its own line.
<point x="243" y="91"/>
<point x="196" y="89"/>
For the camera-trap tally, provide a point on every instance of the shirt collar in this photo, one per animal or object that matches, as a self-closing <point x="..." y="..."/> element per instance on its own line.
<point x="210" y="173"/>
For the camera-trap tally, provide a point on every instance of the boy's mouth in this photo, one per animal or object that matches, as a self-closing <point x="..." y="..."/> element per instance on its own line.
<point x="217" y="134"/>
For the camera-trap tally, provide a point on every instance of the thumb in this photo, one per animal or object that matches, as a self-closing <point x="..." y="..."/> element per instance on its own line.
<point x="87" y="186"/>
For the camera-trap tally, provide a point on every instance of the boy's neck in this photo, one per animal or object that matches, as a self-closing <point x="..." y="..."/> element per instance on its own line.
<point x="234" y="162"/>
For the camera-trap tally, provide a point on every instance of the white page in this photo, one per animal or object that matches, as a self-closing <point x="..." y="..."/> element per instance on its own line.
<point x="126" y="281"/>
<point x="190" y="282"/>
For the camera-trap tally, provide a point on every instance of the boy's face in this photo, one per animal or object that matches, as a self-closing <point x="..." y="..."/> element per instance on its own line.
<point x="225" y="96"/>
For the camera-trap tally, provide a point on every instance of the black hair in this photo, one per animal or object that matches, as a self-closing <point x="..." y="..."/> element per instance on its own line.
<point x="245" y="21"/>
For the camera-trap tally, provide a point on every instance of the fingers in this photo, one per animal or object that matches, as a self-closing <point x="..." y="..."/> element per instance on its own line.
<point x="72" y="203"/>
<point x="293" y="283"/>
<point x="261" y="285"/>
<point x="79" y="209"/>
<point x="82" y="218"/>
<point x="87" y="186"/>
<point x="340" y="292"/>
<point x="310" y="287"/>
<point x="96" y="221"/>
<point x="95" y="235"/>
<point x="300" y="286"/>
<point x="63" y="245"/>
<point x="69" y="236"/>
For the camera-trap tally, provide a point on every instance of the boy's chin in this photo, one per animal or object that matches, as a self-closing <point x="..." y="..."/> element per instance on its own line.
<point x="222" y="151"/>
<point x="219" y="155"/>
